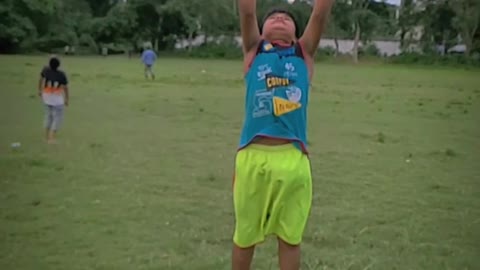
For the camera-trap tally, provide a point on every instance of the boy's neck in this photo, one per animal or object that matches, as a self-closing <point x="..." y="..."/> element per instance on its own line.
<point x="281" y="43"/>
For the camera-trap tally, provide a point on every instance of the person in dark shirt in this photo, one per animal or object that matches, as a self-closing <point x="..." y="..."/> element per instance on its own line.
<point x="53" y="89"/>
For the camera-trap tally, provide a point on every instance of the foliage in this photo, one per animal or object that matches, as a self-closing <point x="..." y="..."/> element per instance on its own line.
<point x="466" y="21"/>
<point x="50" y="25"/>
<point x="435" y="59"/>
<point x="225" y="49"/>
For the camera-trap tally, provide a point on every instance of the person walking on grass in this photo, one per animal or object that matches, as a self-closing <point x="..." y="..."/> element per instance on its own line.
<point x="272" y="185"/>
<point x="148" y="58"/>
<point x="53" y="89"/>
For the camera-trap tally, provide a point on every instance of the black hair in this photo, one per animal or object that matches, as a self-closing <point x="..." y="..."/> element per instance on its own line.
<point x="54" y="63"/>
<point x="284" y="11"/>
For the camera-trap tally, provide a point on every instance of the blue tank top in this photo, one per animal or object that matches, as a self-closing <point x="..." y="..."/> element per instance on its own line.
<point x="276" y="100"/>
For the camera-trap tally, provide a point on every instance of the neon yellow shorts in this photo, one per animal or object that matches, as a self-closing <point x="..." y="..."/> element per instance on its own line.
<point x="272" y="194"/>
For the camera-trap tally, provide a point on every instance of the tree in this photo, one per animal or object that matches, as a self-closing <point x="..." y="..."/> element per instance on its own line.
<point x="119" y="26"/>
<point x="22" y="22"/>
<point x="15" y="28"/>
<point x="385" y="14"/>
<point x="150" y="18"/>
<point x="338" y="22"/>
<point x="70" y="25"/>
<point x="100" y="8"/>
<point x="467" y="20"/>
<point x="408" y="19"/>
<point x="359" y="21"/>
<point x="441" y="26"/>
<point x="214" y="17"/>
<point x="49" y="25"/>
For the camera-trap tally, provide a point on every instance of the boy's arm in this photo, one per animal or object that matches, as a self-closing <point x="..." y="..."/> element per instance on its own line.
<point x="67" y="95"/>
<point x="41" y="82"/>
<point x="248" y="25"/>
<point x="65" y="90"/>
<point x="316" y="24"/>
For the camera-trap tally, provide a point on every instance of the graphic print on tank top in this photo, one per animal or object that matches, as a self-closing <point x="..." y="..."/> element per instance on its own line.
<point x="266" y="100"/>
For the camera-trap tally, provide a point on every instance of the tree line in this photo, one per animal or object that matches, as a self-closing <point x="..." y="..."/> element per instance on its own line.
<point x="429" y="26"/>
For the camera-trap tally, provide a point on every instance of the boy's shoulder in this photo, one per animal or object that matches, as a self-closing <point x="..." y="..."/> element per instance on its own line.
<point x="265" y="46"/>
<point x="60" y="71"/>
<point x="250" y="57"/>
<point x="45" y="69"/>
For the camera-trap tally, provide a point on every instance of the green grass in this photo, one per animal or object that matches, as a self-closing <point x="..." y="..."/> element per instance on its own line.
<point x="141" y="177"/>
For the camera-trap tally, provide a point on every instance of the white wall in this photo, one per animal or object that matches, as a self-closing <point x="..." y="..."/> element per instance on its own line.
<point x="344" y="45"/>
<point x="388" y="48"/>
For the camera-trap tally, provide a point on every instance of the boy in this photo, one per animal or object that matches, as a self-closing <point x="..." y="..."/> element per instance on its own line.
<point x="272" y="183"/>
<point x="53" y="89"/>
<point x="148" y="59"/>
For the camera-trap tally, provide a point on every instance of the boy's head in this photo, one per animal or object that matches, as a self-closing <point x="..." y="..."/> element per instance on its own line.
<point x="280" y="24"/>
<point x="54" y="63"/>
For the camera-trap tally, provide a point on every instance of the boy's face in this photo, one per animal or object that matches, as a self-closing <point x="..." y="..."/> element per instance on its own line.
<point x="279" y="26"/>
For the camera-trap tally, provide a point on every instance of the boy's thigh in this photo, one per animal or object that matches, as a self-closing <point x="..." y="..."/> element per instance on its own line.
<point x="48" y="116"/>
<point x="291" y="207"/>
<point x="251" y="198"/>
<point x="57" y="116"/>
<point x="57" y="111"/>
<point x="48" y="110"/>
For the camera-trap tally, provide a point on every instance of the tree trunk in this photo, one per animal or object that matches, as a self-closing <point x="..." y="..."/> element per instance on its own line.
<point x="444" y="42"/>
<point x="469" y="37"/>
<point x="402" y="39"/>
<point x="190" y="41"/>
<point x="403" y="31"/>
<point x="335" y="39"/>
<point x="337" y="49"/>
<point x="468" y="45"/>
<point x="356" y="42"/>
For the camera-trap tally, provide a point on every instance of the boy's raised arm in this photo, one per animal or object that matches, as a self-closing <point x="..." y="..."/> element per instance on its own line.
<point x="248" y="24"/>
<point x="316" y="24"/>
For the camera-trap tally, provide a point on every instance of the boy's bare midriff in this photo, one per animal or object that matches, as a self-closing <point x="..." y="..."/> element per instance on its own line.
<point x="270" y="141"/>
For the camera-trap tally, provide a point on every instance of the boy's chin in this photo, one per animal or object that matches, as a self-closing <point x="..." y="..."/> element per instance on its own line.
<point x="284" y="38"/>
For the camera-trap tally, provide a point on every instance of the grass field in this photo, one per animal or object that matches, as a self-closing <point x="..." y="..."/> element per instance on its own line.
<point x="141" y="177"/>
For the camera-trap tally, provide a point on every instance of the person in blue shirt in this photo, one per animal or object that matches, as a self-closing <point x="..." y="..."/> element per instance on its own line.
<point x="148" y="58"/>
<point x="272" y="185"/>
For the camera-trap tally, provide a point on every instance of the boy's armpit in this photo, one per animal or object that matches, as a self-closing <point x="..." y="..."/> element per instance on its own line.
<point x="65" y="80"/>
<point x="248" y="60"/>
<point x="42" y="73"/>
<point x="309" y="61"/>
